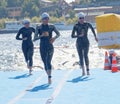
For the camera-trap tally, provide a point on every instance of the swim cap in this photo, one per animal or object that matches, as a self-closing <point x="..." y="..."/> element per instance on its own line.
<point x="81" y="15"/>
<point x="26" y="21"/>
<point x="45" y="15"/>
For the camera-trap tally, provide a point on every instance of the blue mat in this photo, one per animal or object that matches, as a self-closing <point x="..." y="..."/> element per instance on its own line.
<point x="68" y="87"/>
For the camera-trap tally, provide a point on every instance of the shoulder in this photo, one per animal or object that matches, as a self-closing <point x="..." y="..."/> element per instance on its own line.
<point x="76" y="25"/>
<point x="51" y="25"/>
<point x="39" y="26"/>
<point x="32" y="28"/>
<point x="21" y="29"/>
<point x="87" y="23"/>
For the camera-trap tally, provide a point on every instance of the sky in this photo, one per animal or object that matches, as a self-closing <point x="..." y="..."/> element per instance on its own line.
<point x="69" y="1"/>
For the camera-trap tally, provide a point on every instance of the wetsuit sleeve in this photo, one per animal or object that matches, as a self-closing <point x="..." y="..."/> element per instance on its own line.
<point x="36" y="36"/>
<point x="18" y="35"/>
<point x="57" y="32"/>
<point x="73" y="32"/>
<point x="92" y="29"/>
<point x="33" y="30"/>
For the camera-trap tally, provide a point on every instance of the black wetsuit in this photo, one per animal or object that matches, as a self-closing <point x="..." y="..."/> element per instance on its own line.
<point x="82" y="43"/>
<point x="27" y="45"/>
<point x="46" y="48"/>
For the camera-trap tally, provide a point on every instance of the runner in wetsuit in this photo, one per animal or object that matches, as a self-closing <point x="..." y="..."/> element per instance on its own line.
<point x="82" y="43"/>
<point x="27" y="44"/>
<point x="44" y="33"/>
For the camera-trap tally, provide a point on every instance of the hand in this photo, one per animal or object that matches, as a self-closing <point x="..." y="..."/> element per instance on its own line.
<point x="81" y="35"/>
<point x="24" y="38"/>
<point x="45" y="34"/>
<point x="52" y="40"/>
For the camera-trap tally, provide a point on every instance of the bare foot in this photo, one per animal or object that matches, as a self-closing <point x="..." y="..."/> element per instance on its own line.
<point x="88" y="73"/>
<point x="83" y="74"/>
<point x="49" y="81"/>
<point x="30" y="71"/>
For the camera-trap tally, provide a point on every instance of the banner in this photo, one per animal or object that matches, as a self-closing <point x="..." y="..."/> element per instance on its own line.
<point x="108" y="29"/>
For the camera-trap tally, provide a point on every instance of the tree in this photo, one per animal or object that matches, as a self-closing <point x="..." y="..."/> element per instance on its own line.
<point x="72" y="13"/>
<point x="15" y="3"/>
<point x="3" y="11"/>
<point x="3" y="3"/>
<point x="30" y="8"/>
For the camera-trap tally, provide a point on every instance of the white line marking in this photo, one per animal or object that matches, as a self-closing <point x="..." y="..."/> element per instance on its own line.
<point x="58" y="88"/>
<point x="14" y="100"/>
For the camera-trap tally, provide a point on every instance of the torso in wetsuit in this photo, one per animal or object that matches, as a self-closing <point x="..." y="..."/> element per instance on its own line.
<point x="49" y="28"/>
<point x="26" y="33"/>
<point x="81" y="33"/>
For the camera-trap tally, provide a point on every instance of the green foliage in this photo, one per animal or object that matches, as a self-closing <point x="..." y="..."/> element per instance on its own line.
<point x="3" y="20"/>
<point x="2" y="23"/>
<point x="3" y="3"/>
<point x="3" y="12"/>
<point x="30" y="8"/>
<point x="35" y="19"/>
<point x="72" y="13"/>
<point x="15" y="3"/>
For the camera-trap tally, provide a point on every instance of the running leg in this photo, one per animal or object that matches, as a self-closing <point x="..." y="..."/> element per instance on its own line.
<point x="80" y="53"/>
<point x="86" y="50"/>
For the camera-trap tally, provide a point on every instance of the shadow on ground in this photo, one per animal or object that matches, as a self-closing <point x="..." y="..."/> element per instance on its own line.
<point x="79" y="79"/>
<point x="41" y="87"/>
<point x="20" y="76"/>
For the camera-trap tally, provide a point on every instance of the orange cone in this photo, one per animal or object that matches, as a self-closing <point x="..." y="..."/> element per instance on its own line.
<point x="114" y="64"/>
<point x="106" y="63"/>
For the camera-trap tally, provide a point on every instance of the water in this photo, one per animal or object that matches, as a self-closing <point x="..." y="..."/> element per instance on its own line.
<point x="65" y="55"/>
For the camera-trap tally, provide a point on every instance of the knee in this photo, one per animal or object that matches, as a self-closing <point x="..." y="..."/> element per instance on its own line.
<point x="86" y="56"/>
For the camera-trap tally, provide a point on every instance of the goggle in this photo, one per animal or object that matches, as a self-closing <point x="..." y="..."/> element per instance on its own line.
<point x="27" y="23"/>
<point x="46" y="18"/>
<point x="81" y="18"/>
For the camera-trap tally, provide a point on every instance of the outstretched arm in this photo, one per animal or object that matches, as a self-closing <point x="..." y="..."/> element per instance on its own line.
<point x="92" y="29"/>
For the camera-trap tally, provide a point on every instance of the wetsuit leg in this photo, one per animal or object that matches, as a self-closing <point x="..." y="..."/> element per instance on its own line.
<point x="86" y="50"/>
<point x="49" y="58"/>
<point x="30" y="55"/>
<point x="43" y="53"/>
<point x="80" y="53"/>
<point x="25" y="50"/>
